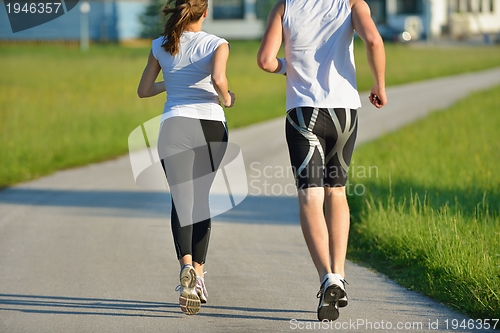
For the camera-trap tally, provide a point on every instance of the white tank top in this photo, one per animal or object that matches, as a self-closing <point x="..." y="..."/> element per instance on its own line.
<point x="187" y="77"/>
<point x="318" y="40"/>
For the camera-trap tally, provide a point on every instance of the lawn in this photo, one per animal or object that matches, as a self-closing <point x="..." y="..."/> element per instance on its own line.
<point x="430" y="217"/>
<point x="61" y="108"/>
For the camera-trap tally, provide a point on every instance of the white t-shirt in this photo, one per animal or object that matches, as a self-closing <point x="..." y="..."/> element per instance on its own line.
<point x="187" y="77"/>
<point x="318" y="38"/>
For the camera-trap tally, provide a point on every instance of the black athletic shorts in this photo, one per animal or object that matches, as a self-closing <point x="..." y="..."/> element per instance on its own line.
<point x="320" y="144"/>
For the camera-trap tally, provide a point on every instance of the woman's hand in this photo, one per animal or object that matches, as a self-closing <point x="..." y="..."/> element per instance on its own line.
<point x="229" y="102"/>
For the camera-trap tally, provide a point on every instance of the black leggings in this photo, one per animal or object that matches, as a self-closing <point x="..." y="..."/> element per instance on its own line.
<point x="191" y="151"/>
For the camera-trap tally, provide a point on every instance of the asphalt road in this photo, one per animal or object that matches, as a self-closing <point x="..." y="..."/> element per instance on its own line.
<point x="87" y="250"/>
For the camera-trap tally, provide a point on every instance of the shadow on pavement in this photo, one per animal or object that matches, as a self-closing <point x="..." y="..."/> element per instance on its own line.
<point x="267" y="209"/>
<point x="63" y="305"/>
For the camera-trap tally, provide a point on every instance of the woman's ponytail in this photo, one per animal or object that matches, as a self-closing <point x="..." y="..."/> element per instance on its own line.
<point x="180" y="13"/>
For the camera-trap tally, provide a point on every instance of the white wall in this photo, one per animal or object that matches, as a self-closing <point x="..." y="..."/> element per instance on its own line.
<point x="472" y="23"/>
<point x="486" y="22"/>
<point x="439" y="16"/>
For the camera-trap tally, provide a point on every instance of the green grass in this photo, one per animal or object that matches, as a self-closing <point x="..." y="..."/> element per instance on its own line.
<point x="60" y="108"/>
<point x="430" y="217"/>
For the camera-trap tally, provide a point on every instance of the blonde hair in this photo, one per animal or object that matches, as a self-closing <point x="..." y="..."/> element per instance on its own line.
<point x="182" y="12"/>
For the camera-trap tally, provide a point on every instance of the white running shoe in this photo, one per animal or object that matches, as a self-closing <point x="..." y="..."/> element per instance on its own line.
<point x="189" y="300"/>
<point x="332" y="295"/>
<point x="201" y="290"/>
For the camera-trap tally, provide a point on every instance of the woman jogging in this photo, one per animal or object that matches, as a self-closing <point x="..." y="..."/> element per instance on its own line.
<point x="193" y="133"/>
<point x="321" y="126"/>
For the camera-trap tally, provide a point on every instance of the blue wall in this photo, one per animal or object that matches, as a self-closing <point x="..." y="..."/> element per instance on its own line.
<point x="109" y="20"/>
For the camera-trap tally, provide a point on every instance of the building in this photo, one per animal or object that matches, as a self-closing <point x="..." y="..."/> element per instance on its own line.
<point x="437" y="18"/>
<point x="238" y="19"/>
<point x="118" y="20"/>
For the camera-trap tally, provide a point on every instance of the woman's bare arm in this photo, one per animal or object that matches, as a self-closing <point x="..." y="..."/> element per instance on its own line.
<point x="147" y="86"/>
<point x="219" y="78"/>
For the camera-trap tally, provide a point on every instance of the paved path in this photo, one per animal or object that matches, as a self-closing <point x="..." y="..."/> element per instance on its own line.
<point x="86" y="250"/>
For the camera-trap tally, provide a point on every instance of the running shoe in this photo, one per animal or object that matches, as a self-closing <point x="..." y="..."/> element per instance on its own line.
<point x="189" y="300"/>
<point x="201" y="290"/>
<point x="343" y="301"/>
<point x="331" y="296"/>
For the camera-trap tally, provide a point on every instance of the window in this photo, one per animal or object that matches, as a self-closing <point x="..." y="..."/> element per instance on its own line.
<point x="262" y="8"/>
<point x="465" y="6"/>
<point x="228" y="9"/>
<point x="469" y="6"/>
<point x="454" y="6"/>
<point x="378" y="9"/>
<point x="409" y="7"/>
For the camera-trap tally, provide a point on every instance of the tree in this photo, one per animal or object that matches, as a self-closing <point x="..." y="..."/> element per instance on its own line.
<point x="152" y="19"/>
